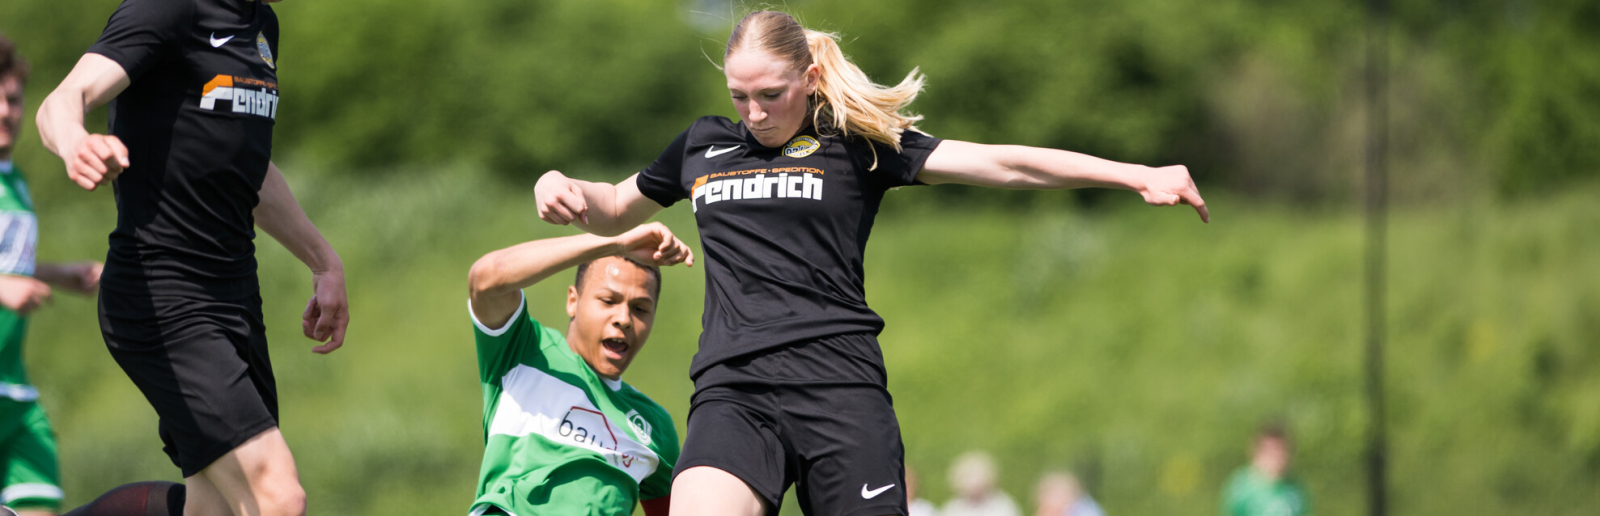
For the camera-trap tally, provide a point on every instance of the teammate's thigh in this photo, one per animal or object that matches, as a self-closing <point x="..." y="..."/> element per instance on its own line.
<point x="32" y="475"/>
<point x="731" y="435"/>
<point x="713" y="492"/>
<point x="258" y="477"/>
<point x="202" y="498"/>
<point x="852" y="462"/>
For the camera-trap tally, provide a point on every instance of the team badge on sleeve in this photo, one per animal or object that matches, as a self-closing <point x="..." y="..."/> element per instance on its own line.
<point x="265" y="49"/>
<point x="801" y="146"/>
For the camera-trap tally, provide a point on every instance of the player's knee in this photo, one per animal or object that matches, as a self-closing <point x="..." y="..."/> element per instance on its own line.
<point x="285" y="498"/>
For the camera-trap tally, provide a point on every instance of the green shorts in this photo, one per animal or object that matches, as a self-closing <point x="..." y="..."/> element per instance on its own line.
<point x="28" y="457"/>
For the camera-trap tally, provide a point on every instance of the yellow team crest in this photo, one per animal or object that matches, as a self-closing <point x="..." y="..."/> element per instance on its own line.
<point x="265" y="49"/>
<point x="801" y="146"/>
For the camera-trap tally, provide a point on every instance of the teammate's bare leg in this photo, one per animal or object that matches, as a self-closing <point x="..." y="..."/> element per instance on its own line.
<point x="258" y="478"/>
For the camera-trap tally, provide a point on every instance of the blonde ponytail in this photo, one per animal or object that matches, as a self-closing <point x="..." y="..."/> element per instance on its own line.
<point x="849" y="102"/>
<point x="846" y="101"/>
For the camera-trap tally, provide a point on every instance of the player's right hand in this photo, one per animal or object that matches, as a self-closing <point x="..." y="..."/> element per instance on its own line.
<point x="97" y="160"/>
<point x="654" y="244"/>
<point x="560" y="199"/>
<point x="23" y="294"/>
<point x="327" y="314"/>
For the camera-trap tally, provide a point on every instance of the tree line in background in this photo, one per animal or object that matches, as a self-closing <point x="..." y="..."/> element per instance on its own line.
<point x="1258" y="96"/>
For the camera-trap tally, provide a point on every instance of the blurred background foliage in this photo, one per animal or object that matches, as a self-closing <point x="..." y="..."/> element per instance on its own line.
<point x="1076" y="330"/>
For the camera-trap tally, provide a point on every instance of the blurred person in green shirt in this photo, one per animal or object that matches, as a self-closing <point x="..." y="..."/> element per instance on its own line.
<point x="1264" y="488"/>
<point x="30" y="479"/>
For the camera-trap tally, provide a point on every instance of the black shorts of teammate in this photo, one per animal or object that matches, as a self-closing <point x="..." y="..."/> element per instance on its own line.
<point x="203" y="366"/>
<point x="837" y="442"/>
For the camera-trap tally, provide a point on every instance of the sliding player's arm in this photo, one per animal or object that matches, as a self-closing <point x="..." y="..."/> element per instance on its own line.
<point x="327" y="314"/>
<point x="92" y="159"/>
<point x="1018" y="167"/>
<point x="497" y="279"/>
<point x="600" y="208"/>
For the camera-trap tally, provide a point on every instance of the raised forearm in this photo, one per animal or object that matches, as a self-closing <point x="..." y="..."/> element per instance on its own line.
<point x="604" y="216"/>
<point x="599" y="208"/>
<point x="279" y="215"/>
<point x="60" y="121"/>
<point x="514" y="268"/>
<point x="94" y="81"/>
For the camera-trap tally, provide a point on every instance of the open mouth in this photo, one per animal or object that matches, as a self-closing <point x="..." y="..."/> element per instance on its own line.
<point x="616" y="348"/>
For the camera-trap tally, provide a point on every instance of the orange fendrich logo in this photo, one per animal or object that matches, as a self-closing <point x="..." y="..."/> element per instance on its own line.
<point x="248" y="96"/>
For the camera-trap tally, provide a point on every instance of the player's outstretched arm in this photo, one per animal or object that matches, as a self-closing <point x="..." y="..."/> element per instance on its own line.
<point x="81" y="277"/>
<point x="92" y="159"/>
<point x="1019" y="167"/>
<point x="600" y="208"/>
<point x="498" y="277"/>
<point x="328" y="312"/>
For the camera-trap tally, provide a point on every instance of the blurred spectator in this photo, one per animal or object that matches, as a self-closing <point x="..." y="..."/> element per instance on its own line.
<point x="917" y="506"/>
<point x="1264" y="488"/>
<point x="974" y="475"/>
<point x="1060" y="494"/>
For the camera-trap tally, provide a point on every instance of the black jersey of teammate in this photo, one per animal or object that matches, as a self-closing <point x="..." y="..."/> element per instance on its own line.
<point x="197" y="119"/>
<point x="783" y="230"/>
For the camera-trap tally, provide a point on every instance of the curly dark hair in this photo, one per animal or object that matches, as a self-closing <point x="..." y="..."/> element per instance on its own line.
<point x="11" y="63"/>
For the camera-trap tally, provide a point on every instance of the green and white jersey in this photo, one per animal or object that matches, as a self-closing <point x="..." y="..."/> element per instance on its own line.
<point x="1251" y="494"/>
<point x="558" y="438"/>
<point x="19" y="234"/>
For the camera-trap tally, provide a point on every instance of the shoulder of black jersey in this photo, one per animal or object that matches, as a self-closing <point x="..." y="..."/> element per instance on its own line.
<point x="714" y="127"/>
<point x="176" y="11"/>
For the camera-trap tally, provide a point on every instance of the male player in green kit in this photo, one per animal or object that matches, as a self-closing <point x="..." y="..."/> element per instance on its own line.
<point x="562" y="433"/>
<point x="29" y="477"/>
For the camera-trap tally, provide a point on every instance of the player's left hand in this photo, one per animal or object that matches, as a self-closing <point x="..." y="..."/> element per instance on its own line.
<point x="1169" y="186"/>
<point x="328" y="312"/>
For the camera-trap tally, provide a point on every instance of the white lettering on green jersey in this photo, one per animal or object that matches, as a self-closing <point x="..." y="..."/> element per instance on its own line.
<point x="535" y="403"/>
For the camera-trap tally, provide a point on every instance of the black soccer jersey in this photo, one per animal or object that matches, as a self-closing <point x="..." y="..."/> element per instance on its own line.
<point x="197" y="119"/>
<point x="783" y="230"/>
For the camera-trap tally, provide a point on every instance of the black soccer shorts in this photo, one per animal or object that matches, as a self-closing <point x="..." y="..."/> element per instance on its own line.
<point x="839" y="445"/>
<point x="203" y="366"/>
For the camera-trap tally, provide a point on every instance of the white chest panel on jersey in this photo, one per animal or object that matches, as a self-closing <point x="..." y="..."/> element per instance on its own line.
<point x="532" y="402"/>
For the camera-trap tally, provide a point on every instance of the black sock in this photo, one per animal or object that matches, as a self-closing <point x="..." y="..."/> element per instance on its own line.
<point x="154" y="498"/>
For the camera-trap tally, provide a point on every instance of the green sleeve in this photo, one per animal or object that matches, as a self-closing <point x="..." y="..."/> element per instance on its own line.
<point x="665" y="434"/>
<point x="500" y="349"/>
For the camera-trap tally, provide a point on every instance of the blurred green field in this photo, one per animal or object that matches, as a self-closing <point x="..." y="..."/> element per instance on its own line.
<point x="1135" y="345"/>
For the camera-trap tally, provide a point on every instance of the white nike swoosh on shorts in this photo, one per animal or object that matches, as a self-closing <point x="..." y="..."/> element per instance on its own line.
<point x="713" y="152"/>
<point x="218" y="43"/>
<point x="869" y="494"/>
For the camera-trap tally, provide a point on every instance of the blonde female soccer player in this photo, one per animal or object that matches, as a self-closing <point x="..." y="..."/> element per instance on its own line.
<point x="789" y="381"/>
